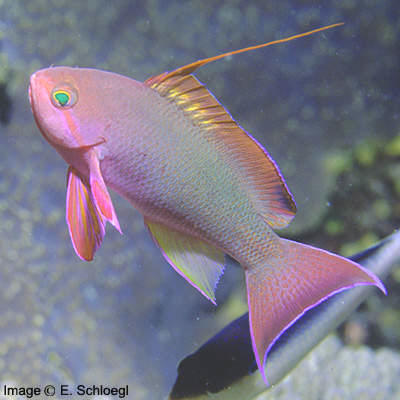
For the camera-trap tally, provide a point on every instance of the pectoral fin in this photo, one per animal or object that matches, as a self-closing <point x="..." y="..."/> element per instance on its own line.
<point x="198" y="262"/>
<point x="89" y="207"/>
<point x="100" y="193"/>
<point x="85" y="223"/>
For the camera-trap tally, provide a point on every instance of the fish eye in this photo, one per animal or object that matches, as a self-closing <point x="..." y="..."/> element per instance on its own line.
<point x="63" y="97"/>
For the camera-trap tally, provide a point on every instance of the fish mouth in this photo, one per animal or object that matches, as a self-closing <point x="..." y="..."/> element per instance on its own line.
<point x="30" y="90"/>
<point x="30" y="94"/>
<point x="33" y="100"/>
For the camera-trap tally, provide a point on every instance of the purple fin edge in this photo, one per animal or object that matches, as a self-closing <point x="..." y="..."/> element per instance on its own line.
<point x="377" y="283"/>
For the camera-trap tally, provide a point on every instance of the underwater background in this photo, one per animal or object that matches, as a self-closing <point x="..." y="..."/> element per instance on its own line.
<point x="326" y="107"/>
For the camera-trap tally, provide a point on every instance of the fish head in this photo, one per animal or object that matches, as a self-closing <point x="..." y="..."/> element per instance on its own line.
<point x="66" y="104"/>
<point x="72" y="107"/>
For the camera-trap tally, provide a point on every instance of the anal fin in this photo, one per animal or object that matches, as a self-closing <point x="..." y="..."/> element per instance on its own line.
<point x="198" y="262"/>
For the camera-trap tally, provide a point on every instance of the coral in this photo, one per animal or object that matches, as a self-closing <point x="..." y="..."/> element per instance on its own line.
<point x="335" y="372"/>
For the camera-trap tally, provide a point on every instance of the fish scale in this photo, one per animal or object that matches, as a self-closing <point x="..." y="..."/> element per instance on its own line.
<point x="208" y="206"/>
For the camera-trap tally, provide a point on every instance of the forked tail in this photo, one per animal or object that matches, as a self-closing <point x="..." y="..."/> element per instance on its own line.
<point x="289" y="284"/>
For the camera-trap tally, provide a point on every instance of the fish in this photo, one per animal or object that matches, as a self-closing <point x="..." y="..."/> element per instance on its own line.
<point x="205" y="187"/>
<point x="224" y="366"/>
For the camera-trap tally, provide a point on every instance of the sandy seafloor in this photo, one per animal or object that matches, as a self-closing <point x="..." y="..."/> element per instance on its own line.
<point x="127" y="317"/>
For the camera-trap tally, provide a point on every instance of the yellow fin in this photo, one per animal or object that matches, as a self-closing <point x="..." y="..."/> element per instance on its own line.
<point x="198" y="262"/>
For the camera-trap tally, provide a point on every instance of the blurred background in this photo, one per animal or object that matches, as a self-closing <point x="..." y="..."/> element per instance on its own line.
<point x="326" y="107"/>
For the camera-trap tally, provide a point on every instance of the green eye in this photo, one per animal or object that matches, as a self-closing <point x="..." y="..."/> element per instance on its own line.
<point x="63" y="98"/>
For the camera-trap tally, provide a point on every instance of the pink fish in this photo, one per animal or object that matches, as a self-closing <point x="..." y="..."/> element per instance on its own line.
<point x="204" y="186"/>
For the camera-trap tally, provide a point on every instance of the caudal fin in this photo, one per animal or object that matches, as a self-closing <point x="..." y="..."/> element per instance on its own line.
<point x="297" y="278"/>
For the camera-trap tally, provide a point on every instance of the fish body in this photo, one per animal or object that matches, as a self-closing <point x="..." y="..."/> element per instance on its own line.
<point x="204" y="186"/>
<point x="147" y="162"/>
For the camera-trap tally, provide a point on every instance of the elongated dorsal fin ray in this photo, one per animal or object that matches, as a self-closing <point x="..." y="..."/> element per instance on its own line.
<point x="260" y="175"/>
<point x="189" y="68"/>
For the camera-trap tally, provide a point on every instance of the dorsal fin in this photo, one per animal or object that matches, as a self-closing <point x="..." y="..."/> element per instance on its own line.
<point x="155" y="81"/>
<point x="267" y="188"/>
